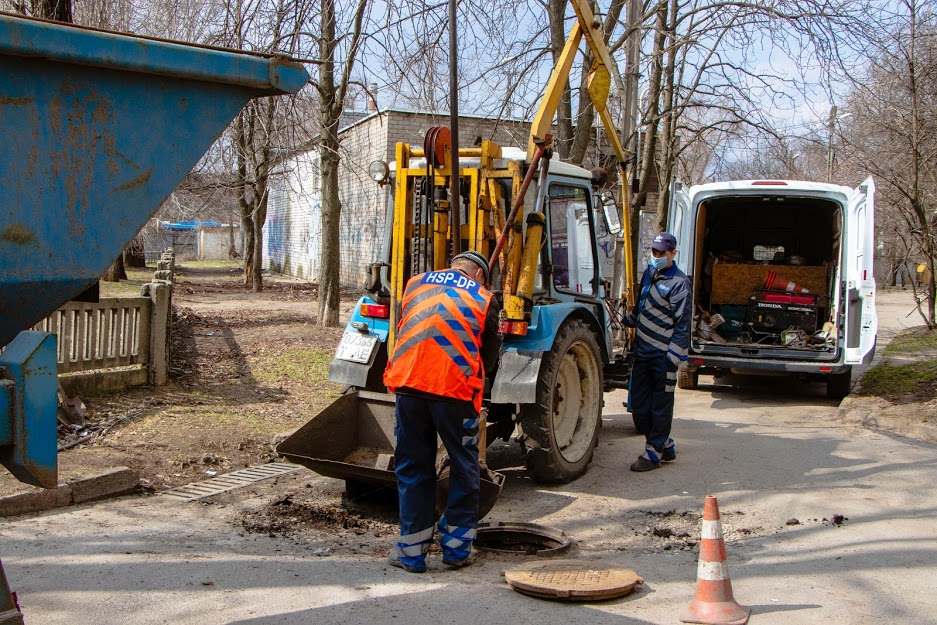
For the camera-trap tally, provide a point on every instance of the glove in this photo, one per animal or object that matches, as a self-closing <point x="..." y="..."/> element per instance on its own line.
<point x="675" y="360"/>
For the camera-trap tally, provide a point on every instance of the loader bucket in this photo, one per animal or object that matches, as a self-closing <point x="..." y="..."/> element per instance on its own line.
<point x="353" y="439"/>
<point x="98" y="129"/>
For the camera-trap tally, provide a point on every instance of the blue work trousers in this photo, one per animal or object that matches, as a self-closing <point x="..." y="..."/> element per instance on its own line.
<point x="650" y="399"/>
<point x="418" y="421"/>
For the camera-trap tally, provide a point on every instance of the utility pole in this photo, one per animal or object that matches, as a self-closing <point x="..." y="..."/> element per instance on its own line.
<point x="455" y="184"/>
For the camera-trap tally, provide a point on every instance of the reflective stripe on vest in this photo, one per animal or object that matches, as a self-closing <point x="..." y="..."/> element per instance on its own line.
<point x="438" y="348"/>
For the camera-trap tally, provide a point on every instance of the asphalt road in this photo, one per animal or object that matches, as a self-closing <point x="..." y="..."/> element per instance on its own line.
<point x="771" y="451"/>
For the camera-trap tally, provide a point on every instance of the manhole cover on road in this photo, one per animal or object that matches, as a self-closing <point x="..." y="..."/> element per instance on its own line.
<point x="230" y="481"/>
<point x="572" y="580"/>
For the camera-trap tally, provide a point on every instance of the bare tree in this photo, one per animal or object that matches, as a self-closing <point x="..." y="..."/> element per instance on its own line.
<point x="332" y="92"/>
<point x="894" y="135"/>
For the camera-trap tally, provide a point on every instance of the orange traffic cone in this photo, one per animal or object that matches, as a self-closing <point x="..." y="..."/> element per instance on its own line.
<point x="713" y="603"/>
<point x="775" y="282"/>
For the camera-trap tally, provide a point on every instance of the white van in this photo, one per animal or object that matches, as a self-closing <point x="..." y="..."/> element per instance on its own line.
<point x="782" y="278"/>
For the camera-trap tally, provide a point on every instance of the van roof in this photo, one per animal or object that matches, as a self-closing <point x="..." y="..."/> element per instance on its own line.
<point x="769" y="186"/>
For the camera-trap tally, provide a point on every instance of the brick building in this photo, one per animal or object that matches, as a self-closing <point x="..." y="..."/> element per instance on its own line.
<point x="292" y="232"/>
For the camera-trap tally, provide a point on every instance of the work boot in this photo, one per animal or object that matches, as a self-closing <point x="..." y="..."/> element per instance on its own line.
<point x="650" y="459"/>
<point x="643" y="464"/>
<point x="462" y="563"/>
<point x="411" y="565"/>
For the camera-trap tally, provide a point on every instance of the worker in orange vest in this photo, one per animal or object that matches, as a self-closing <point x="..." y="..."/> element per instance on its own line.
<point x="446" y="342"/>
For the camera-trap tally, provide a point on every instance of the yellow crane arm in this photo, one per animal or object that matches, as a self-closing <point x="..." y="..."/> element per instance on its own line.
<point x="598" y="83"/>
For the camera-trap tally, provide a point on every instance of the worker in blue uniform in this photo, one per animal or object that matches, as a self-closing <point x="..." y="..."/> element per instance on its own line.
<point x="661" y="320"/>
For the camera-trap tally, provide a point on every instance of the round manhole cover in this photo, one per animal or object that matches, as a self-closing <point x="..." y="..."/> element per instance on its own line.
<point x="521" y="539"/>
<point x="572" y="580"/>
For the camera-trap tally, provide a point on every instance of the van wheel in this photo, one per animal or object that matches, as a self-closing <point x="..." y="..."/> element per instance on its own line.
<point x="687" y="379"/>
<point x="838" y="385"/>
<point x="561" y="430"/>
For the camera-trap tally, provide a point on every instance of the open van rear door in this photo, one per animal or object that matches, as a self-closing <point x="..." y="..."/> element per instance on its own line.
<point x="681" y="226"/>
<point x="861" y="319"/>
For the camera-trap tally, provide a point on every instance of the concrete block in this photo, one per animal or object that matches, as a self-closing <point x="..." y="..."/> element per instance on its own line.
<point x="103" y="380"/>
<point x="35" y="501"/>
<point x="117" y="481"/>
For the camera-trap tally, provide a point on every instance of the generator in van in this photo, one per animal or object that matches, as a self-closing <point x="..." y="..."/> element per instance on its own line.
<point x="782" y="278"/>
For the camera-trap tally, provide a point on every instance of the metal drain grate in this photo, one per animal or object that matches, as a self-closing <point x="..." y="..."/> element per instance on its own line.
<point x="230" y="481"/>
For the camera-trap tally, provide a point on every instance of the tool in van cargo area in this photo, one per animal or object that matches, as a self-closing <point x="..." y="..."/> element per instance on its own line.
<point x="774" y="317"/>
<point x="776" y="282"/>
<point x="786" y="297"/>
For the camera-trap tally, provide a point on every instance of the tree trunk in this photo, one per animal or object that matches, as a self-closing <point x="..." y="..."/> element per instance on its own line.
<point x="134" y="255"/>
<point x="55" y="10"/>
<point x="329" y="264"/>
<point x="652" y="117"/>
<point x="116" y="272"/>
<point x="257" y="258"/>
<point x="247" y="224"/>
<point x="556" y="11"/>
<point x="668" y="123"/>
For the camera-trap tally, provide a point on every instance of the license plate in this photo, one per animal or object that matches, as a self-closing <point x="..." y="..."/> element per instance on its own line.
<point x="356" y="347"/>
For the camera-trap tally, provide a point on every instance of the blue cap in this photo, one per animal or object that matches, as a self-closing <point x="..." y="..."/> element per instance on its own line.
<point x="664" y="241"/>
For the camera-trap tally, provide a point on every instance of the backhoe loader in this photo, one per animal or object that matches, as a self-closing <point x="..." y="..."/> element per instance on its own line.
<point x="552" y="239"/>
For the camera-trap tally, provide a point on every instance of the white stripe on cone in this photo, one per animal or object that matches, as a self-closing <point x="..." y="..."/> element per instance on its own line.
<point x="712" y="571"/>
<point x="711" y="530"/>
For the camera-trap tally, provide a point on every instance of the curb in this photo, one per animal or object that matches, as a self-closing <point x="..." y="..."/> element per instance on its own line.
<point x="111" y="483"/>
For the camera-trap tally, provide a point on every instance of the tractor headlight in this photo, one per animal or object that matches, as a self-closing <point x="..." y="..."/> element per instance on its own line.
<point x="379" y="171"/>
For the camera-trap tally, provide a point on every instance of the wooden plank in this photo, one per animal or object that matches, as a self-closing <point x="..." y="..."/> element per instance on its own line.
<point x="735" y="284"/>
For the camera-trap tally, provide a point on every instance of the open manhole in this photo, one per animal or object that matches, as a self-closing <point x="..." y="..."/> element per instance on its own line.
<point x="521" y="539"/>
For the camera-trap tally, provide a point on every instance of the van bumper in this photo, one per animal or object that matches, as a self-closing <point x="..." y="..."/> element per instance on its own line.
<point x="755" y="365"/>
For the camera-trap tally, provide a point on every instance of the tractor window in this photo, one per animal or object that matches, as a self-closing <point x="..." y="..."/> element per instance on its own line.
<point x="571" y="238"/>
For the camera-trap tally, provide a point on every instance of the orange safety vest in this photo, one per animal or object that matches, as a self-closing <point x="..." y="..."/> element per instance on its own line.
<point x="438" y="348"/>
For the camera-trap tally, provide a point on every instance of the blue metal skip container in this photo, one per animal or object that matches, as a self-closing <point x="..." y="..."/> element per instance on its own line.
<point x="97" y="130"/>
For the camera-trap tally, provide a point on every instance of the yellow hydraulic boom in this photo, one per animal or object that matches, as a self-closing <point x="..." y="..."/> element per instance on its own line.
<point x="598" y="85"/>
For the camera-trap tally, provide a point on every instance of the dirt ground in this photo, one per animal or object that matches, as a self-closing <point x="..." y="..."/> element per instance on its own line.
<point x="245" y="368"/>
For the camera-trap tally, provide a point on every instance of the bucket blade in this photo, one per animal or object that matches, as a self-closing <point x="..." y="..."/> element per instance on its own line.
<point x="98" y="129"/>
<point x="349" y="440"/>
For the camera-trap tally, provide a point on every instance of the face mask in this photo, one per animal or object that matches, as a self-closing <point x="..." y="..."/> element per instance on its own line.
<point x="658" y="262"/>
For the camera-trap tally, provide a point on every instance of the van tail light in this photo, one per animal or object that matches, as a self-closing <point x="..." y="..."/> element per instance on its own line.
<point x="696" y="361"/>
<point x="825" y="369"/>
<point x="517" y="328"/>
<point x="375" y="311"/>
<point x="769" y="183"/>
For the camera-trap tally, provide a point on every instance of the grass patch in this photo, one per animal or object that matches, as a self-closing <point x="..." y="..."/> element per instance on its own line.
<point x="911" y="341"/>
<point x="294" y="365"/>
<point x="903" y="382"/>
<point x="210" y="264"/>
<point x="130" y="287"/>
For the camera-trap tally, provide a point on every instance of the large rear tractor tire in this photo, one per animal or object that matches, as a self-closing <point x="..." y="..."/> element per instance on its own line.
<point x="562" y="429"/>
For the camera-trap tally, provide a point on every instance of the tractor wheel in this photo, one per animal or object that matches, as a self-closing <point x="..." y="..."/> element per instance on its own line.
<point x="687" y="379"/>
<point x="562" y="429"/>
